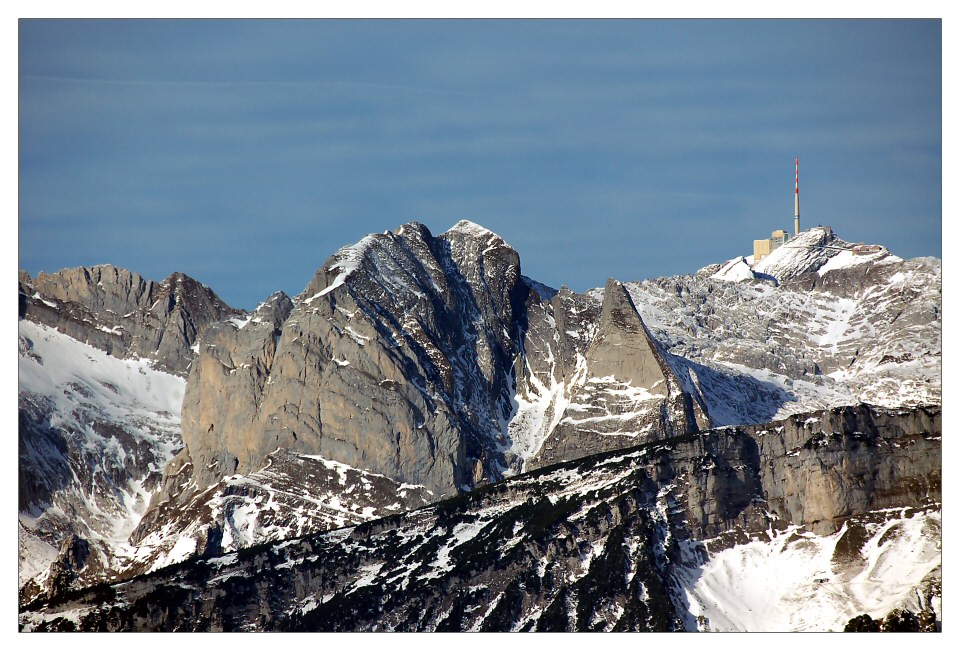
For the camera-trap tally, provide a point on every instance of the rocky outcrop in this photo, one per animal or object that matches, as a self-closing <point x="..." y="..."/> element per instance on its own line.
<point x="628" y="392"/>
<point x="226" y="386"/>
<point x="394" y="359"/>
<point x="70" y="562"/>
<point x="800" y="255"/>
<point x="622" y="348"/>
<point x="123" y="314"/>
<point x="813" y="469"/>
<point x="607" y="542"/>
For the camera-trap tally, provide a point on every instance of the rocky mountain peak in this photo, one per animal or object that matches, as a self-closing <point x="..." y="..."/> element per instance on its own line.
<point x="468" y="228"/>
<point x="622" y="348"/>
<point x="395" y="359"/>
<point x="339" y="267"/>
<point x="619" y="386"/>
<point x="803" y="254"/>
<point x="472" y="244"/>
<point x="618" y="310"/>
<point x="121" y="313"/>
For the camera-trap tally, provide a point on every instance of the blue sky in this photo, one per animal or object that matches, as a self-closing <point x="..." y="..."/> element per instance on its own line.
<point x="244" y="153"/>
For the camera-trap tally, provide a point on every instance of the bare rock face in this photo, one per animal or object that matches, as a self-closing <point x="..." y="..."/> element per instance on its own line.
<point x="623" y="349"/>
<point x="822" y="468"/>
<point x="415" y="366"/>
<point x="610" y="384"/>
<point x="813" y="469"/>
<point x="227" y="383"/>
<point x="119" y="312"/>
<point x="395" y="359"/>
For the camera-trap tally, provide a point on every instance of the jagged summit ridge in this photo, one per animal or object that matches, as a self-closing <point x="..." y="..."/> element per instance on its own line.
<point x="472" y="229"/>
<point x="403" y="357"/>
<point x="385" y="342"/>
<point x="123" y="314"/>
<point x="374" y="252"/>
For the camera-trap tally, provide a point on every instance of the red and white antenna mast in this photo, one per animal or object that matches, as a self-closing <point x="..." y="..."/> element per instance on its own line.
<point x="796" y="202"/>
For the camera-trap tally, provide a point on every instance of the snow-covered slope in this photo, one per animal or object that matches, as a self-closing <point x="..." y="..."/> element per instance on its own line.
<point x="807" y="252"/>
<point x="415" y="366"/>
<point x="95" y="434"/>
<point x="796" y="580"/>
<point x="291" y="496"/>
<point x="736" y="270"/>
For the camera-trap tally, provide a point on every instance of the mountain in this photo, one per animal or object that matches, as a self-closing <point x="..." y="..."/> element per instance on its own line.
<point x="831" y="327"/>
<point x="638" y="539"/>
<point x="102" y="358"/>
<point x="430" y="361"/>
<point x="414" y="368"/>
<point x="100" y="431"/>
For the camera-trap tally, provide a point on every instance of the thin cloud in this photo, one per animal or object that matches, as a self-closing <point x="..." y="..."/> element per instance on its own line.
<point x="252" y="83"/>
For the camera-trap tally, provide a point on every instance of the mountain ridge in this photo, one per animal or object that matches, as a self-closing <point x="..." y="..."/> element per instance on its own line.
<point x="572" y="527"/>
<point x="415" y="366"/>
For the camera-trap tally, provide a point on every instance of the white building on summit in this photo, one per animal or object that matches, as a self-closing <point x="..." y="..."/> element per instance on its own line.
<point x="763" y="248"/>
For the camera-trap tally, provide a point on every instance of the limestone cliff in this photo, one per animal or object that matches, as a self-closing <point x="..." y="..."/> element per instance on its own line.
<point x="394" y="359"/>
<point x="415" y="366"/>
<point x="403" y="356"/>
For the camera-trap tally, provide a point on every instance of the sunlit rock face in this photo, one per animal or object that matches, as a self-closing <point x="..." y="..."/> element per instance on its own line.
<point x="395" y="359"/>
<point x="403" y="357"/>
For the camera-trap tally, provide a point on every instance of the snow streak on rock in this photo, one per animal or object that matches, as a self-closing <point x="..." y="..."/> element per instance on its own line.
<point x="413" y="367"/>
<point x="839" y="329"/>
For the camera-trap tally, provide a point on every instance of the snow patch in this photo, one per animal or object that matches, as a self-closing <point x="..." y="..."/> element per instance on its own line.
<point x="735" y="271"/>
<point x="348" y="260"/>
<point x="792" y="582"/>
